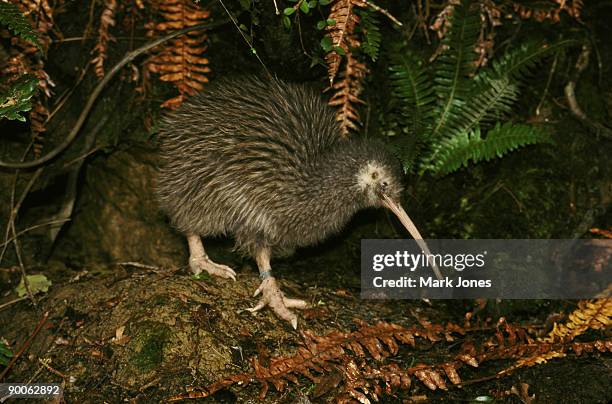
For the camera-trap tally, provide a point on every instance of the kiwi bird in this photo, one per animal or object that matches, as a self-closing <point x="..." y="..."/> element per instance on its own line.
<point x="262" y="160"/>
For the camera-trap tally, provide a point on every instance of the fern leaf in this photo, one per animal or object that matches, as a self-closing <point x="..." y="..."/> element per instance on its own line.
<point x="341" y="33"/>
<point x="182" y="60"/>
<point x="370" y="32"/>
<point x="518" y="63"/>
<point x="18" y="98"/>
<point x="11" y="16"/>
<point x="346" y="94"/>
<point x="412" y="87"/>
<point x="457" y="151"/>
<point x="455" y="63"/>
<point x="413" y="91"/>
<point x="491" y="103"/>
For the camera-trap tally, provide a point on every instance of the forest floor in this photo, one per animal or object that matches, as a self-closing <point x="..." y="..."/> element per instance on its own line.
<point x="126" y="333"/>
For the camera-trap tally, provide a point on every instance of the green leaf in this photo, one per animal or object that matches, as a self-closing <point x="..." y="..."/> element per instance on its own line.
<point x="304" y="7"/>
<point x="464" y="147"/>
<point x="289" y="11"/>
<point x="324" y="2"/>
<point x="331" y="21"/>
<point x="339" y="50"/>
<point x="11" y="16"/>
<point x="18" y="98"/>
<point x="312" y="4"/>
<point x="38" y="283"/>
<point x="286" y="22"/>
<point x="321" y="24"/>
<point x="326" y="44"/>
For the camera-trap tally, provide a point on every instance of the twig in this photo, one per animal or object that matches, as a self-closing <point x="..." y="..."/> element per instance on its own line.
<point x="24" y="274"/>
<point x="137" y="265"/>
<point x="383" y="11"/>
<point x="7" y="304"/>
<point x="80" y="38"/>
<point x="10" y="227"/>
<point x="98" y="89"/>
<point x="34" y="227"/>
<point x="67" y="95"/>
<point x="570" y="94"/>
<point x="16" y="207"/>
<point x="25" y="345"/>
<point x="45" y="363"/>
<point x="253" y="50"/>
<point x="553" y="68"/>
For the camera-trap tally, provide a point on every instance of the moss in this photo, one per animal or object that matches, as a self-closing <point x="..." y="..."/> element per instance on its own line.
<point x="148" y="344"/>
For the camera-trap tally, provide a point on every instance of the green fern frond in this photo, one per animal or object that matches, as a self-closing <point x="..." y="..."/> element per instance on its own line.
<point x="491" y="103"/>
<point x="369" y="27"/>
<point x="518" y="63"/>
<point x="18" y="98"/>
<point x="11" y="16"/>
<point x="455" y="63"/>
<point x="407" y="149"/>
<point x="412" y="87"/>
<point x="464" y="147"/>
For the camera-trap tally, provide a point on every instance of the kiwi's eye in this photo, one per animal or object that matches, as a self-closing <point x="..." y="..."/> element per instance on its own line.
<point x="385" y="184"/>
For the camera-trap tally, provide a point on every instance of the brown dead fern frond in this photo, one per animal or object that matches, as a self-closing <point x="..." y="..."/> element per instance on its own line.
<point x="181" y="61"/>
<point x="355" y="365"/>
<point x="602" y="232"/>
<point x="548" y="12"/>
<point x="344" y="42"/>
<point x="318" y="357"/>
<point x="346" y="94"/>
<point x="590" y="315"/>
<point x="514" y="342"/>
<point x="341" y="33"/>
<point x="107" y="20"/>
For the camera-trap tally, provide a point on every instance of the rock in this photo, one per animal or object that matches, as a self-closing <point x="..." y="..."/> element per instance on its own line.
<point x="117" y="218"/>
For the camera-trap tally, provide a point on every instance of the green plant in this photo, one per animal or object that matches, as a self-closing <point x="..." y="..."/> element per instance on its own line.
<point x="11" y="16"/>
<point x="450" y="112"/>
<point x="369" y="28"/>
<point x="5" y="354"/>
<point x="17" y="98"/>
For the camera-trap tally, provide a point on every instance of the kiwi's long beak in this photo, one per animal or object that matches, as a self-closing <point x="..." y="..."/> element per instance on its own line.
<point x="401" y="214"/>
